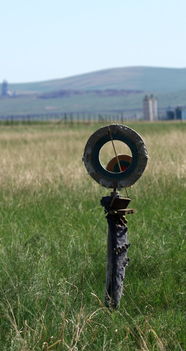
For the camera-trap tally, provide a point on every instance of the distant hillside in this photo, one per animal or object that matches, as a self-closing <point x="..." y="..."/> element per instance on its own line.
<point x="117" y="89"/>
<point x="130" y="78"/>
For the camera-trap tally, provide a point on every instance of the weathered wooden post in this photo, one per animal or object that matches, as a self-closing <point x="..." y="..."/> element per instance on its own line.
<point x="121" y="172"/>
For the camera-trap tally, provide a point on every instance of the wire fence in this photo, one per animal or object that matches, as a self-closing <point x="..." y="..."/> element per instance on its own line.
<point x="80" y="117"/>
<point x="69" y="118"/>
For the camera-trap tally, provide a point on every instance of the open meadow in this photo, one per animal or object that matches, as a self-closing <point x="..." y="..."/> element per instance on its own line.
<point x="53" y="236"/>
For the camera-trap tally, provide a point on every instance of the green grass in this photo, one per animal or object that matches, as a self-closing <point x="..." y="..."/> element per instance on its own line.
<point x="53" y="249"/>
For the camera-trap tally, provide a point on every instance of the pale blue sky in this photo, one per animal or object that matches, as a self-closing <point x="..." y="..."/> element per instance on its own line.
<point x="46" y="39"/>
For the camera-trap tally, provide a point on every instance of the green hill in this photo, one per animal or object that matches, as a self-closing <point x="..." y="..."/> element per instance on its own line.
<point x="135" y="78"/>
<point x="117" y="89"/>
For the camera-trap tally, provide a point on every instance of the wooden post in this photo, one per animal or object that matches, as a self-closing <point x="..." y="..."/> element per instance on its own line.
<point x="117" y="246"/>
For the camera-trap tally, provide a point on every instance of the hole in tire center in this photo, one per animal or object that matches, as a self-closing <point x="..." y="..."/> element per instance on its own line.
<point x="107" y="153"/>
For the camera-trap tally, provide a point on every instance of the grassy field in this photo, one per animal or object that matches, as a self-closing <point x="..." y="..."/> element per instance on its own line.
<point x="88" y="102"/>
<point x="53" y="245"/>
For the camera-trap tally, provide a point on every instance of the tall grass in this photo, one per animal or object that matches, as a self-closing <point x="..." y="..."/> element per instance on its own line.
<point x="53" y="245"/>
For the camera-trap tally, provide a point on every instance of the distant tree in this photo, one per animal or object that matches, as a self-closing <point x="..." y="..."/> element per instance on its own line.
<point x="178" y="113"/>
<point x="4" y="89"/>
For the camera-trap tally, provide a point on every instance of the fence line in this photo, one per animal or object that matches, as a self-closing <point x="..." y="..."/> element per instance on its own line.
<point x="67" y="117"/>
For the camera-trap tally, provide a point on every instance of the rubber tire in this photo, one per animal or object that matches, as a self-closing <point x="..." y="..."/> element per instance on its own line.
<point x="109" y="179"/>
